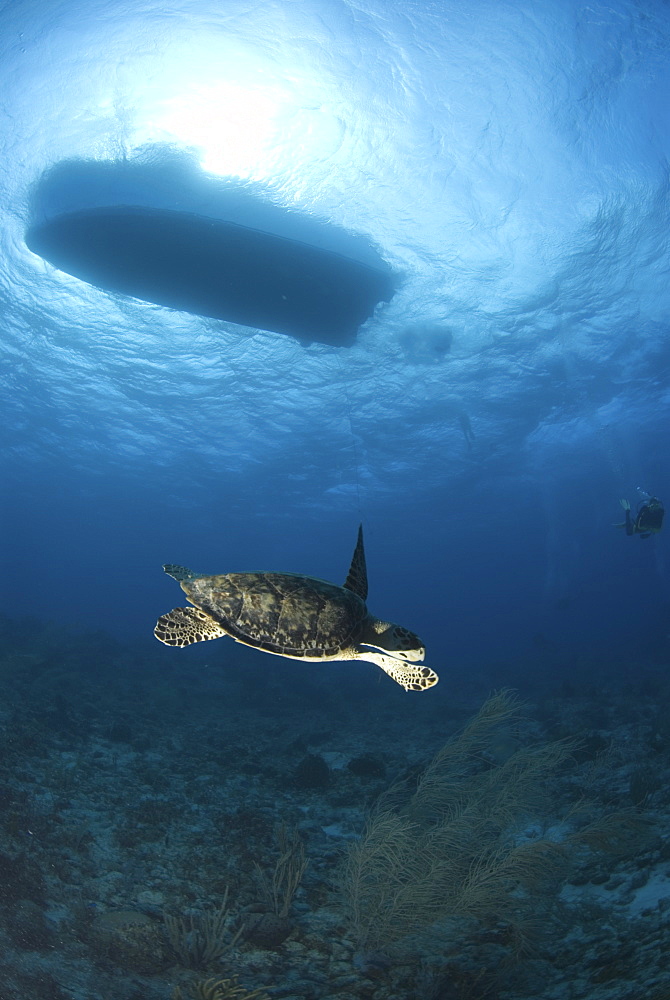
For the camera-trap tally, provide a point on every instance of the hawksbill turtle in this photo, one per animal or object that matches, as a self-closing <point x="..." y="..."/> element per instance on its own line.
<point x="295" y="616"/>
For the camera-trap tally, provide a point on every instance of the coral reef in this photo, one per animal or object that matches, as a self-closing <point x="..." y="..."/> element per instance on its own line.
<point x="200" y="939"/>
<point x="220" y="989"/>
<point x="447" y="847"/>
<point x="129" y="792"/>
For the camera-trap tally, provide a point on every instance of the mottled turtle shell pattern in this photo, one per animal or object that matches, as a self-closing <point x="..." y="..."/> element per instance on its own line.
<point x="282" y="613"/>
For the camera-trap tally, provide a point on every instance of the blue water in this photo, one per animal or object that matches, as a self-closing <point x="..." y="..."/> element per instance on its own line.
<point x="509" y="162"/>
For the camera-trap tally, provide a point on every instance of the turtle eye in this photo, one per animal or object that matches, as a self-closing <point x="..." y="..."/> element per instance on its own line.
<point x="408" y="641"/>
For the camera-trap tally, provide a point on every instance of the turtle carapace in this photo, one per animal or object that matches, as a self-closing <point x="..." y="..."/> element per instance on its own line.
<point x="299" y="617"/>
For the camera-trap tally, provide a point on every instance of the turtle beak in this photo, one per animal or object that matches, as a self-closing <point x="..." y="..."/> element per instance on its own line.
<point x="412" y="655"/>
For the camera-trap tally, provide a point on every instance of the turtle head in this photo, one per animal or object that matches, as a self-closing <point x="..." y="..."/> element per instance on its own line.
<point x="395" y="639"/>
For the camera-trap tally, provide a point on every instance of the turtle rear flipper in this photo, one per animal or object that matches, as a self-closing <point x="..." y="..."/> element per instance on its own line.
<point x="179" y="573"/>
<point x="411" y="676"/>
<point x="182" y="626"/>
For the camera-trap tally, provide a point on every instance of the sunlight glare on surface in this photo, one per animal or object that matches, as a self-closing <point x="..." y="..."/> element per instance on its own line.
<point x="235" y="127"/>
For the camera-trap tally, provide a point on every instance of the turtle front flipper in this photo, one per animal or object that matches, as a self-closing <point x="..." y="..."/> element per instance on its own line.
<point x="182" y="626"/>
<point x="411" y="676"/>
<point x="357" y="580"/>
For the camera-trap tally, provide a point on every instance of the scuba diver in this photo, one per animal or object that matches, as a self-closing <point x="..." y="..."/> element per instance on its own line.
<point x="648" y="518"/>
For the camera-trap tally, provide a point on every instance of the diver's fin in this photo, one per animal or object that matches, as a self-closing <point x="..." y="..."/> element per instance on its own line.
<point x="357" y="580"/>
